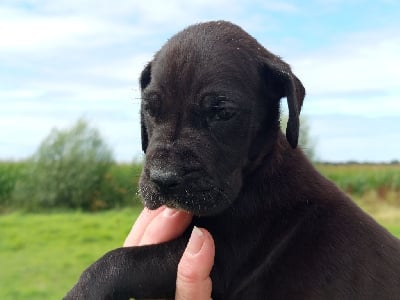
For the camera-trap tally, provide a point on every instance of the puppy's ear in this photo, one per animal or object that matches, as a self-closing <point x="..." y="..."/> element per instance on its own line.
<point x="295" y="93"/>
<point x="289" y="86"/>
<point x="144" y="81"/>
<point x="145" y="138"/>
<point x="145" y="76"/>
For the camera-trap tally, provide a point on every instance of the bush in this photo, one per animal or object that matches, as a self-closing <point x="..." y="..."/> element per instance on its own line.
<point x="120" y="188"/>
<point x="9" y="173"/>
<point x="67" y="171"/>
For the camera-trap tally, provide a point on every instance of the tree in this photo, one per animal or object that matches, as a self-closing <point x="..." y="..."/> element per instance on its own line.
<point x="67" y="170"/>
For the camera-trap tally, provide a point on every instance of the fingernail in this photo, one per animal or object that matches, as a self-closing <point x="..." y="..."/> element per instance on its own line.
<point x="196" y="241"/>
<point x="169" y="212"/>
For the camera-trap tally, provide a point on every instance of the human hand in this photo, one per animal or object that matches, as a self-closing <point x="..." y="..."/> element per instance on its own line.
<point x="164" y="224"/>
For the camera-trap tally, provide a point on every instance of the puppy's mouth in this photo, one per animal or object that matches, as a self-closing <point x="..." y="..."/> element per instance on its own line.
<point x="205" y="202"/>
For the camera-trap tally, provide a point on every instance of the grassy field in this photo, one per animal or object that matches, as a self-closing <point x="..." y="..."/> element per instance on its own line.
<point x="361" y="179"/>
<point x="41" y="255"/>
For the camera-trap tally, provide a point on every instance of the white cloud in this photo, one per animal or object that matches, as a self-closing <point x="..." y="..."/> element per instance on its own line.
<point x="370" y="61"/>
<point x="280" y="6"/>
<point x="57" y="24"/>
<point x="20" y="94"/>
<point x="360" y="75"/>
<point x="27" y="31"/>
<point x="344" y="138"/>
<point x="125" y="69"/>
<point x="21" y="31"/>
<point x="68" y="58"/>
<point x="377" y="106"/>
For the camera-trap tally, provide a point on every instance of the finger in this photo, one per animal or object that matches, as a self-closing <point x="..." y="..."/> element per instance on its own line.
<point x="168" y="225"/>
<point x="140" y="225"/>
<point x="193" y="279"/>
<point x="157" y="226"/>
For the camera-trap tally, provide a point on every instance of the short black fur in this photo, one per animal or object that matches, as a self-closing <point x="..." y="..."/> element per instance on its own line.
<point x="282" y="231"/>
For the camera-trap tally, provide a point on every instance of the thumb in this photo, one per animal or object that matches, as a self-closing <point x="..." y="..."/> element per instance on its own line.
<point x="193" y="279"/>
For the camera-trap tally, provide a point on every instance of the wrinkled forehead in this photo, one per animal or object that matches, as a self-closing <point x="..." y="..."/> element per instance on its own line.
<point x="190" y="65"/>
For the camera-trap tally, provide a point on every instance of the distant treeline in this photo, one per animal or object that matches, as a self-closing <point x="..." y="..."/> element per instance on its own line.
<point x="74" y="168"/>
<point x="119" y="185"/>
<point x="21" y="189"/>
<point x="359" y="179"/>
<point x="358" y="163"/>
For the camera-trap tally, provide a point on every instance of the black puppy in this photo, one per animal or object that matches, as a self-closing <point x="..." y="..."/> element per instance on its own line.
<point x="211" y="134"/>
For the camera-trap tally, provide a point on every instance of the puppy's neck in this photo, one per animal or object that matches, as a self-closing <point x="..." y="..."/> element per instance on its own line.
<point x="278" y="180"/>
<point x="276" y="186"/>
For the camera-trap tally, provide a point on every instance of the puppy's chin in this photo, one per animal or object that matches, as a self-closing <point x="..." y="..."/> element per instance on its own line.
<point x="200" y="203"/>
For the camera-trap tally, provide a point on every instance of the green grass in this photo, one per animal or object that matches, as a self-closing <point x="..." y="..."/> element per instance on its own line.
<point x="359" y="179"/>
<point x="42" y="255"/>
<point x="385" y="212"/>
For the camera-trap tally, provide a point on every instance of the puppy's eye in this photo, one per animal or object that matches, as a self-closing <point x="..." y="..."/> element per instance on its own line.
<point x="221" y="113"/>
<point x="219" y="108"/>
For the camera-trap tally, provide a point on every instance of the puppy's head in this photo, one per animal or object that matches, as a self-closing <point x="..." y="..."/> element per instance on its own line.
<point x="210" y="108"/>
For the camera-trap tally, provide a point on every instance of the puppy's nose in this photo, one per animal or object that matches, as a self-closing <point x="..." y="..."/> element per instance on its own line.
<point x="165" y="179"/>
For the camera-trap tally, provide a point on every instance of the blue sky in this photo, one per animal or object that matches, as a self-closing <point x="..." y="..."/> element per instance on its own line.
<point x="64" y="59"/>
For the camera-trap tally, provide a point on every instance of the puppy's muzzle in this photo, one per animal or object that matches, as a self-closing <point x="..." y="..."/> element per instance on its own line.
<point x="165" y="180"/>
